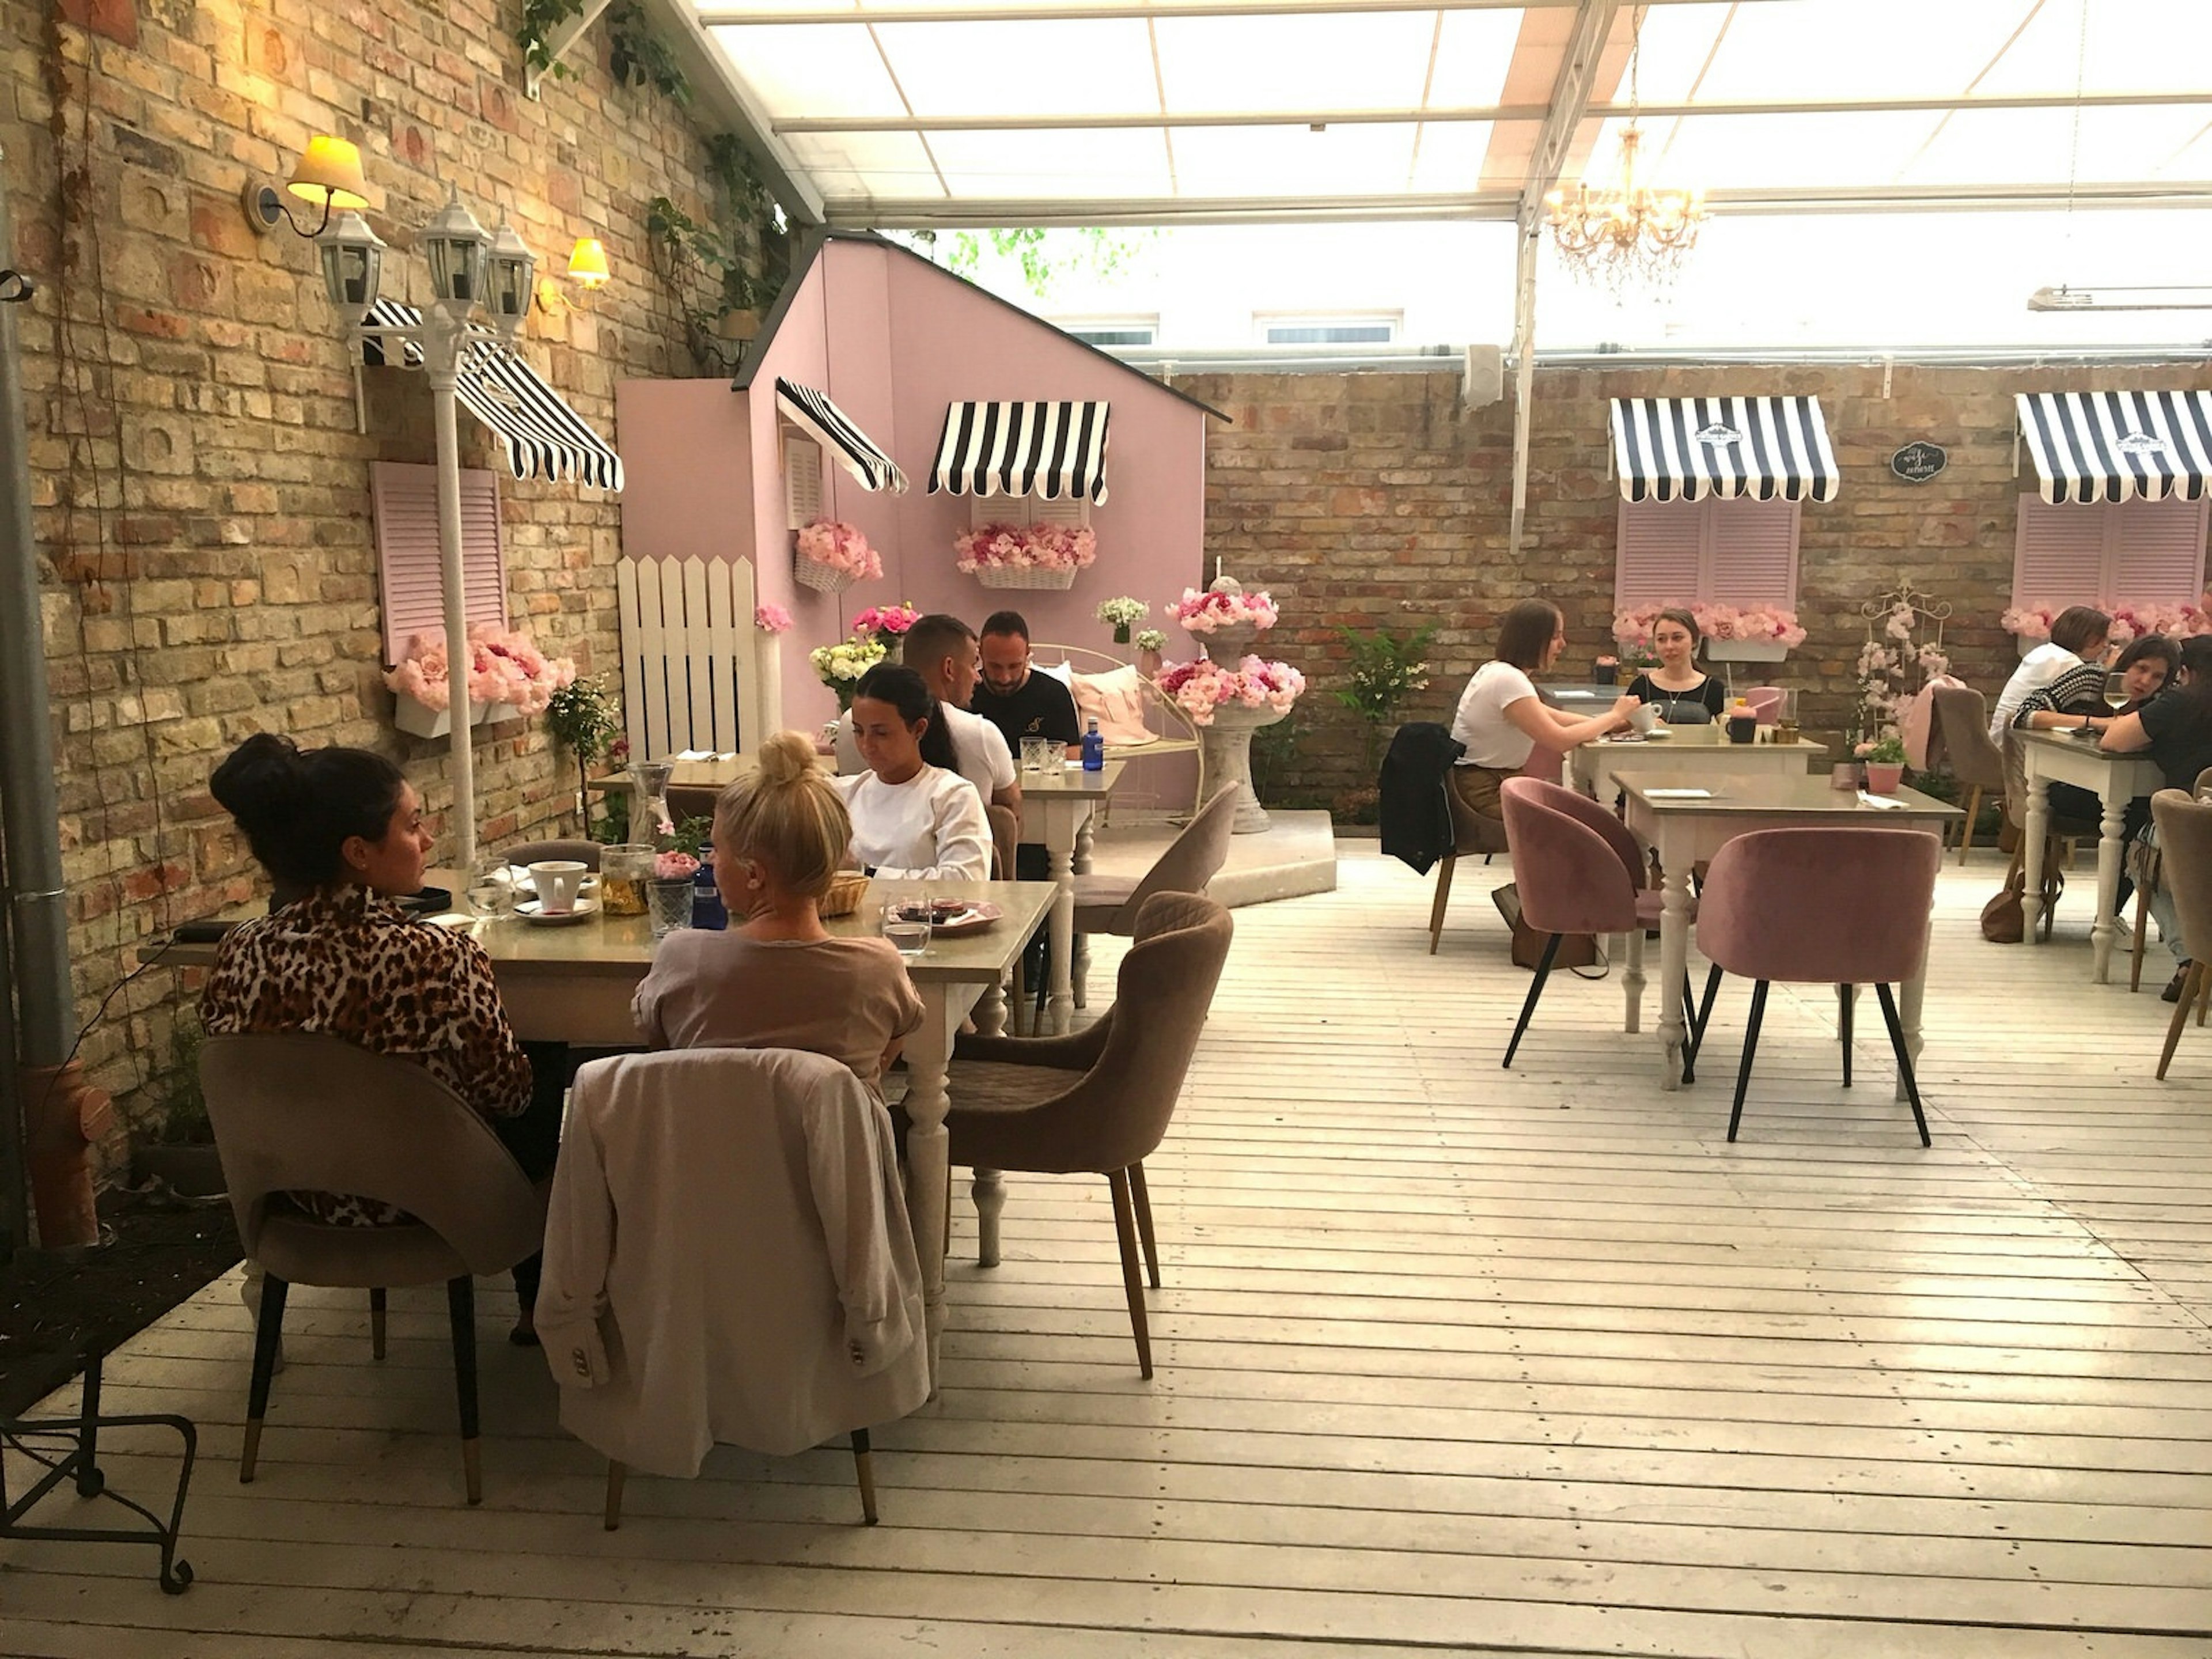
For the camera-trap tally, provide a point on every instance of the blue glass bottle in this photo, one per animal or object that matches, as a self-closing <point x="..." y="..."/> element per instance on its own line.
<point x="1094" y="750"/>
<point x="707" y="908"/>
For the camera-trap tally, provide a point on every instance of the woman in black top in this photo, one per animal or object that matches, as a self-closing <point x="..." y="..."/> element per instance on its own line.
<point x="2177" y="729"/>
<point x="1677" y="688"/>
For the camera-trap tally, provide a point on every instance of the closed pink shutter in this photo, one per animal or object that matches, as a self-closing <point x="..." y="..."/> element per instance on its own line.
<point x="2159" y="558"/>
<point x="1754" y="553"/>
<point x="1658" y="559"/>
<point x="2058" y="556"/>
<point x="411" y="579"/>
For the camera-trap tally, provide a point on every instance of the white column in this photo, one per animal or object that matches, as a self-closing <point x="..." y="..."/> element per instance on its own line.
<point x="443" y="337"/>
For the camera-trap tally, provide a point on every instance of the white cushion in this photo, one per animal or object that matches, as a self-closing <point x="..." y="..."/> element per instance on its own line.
<point x="1116" y="700"/>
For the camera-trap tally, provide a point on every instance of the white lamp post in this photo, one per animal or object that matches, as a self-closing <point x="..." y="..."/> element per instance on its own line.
<point x="468" y="268"/>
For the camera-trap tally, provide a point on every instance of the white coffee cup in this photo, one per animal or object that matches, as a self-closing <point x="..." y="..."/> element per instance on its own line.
<point x="1642" y="718"/>
<point x="557" y="881"/>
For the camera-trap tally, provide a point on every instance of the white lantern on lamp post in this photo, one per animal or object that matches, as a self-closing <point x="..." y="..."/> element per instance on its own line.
<point x="353" y="264"/>
<point x="510" y="267"/>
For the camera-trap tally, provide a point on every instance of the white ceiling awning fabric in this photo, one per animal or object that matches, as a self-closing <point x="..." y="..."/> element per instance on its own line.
<point x="543" y="437"/>
<point x="1685" y="449"/>
<point x="812" y="412"/>
<point x="2117" y="446"/>
<point x="1057" y="450"/>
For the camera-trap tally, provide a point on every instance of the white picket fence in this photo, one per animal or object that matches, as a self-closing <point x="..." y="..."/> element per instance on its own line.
<point x="696" y="673"/>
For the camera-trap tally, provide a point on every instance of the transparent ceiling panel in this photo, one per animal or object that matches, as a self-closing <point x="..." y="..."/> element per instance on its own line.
<point x="1767" y="152"/>
<point x="2130" y="45"/>
<point x="1119" y="163"/>
<point x="1083" y="68"/>
<point x="1375" y="61"/>
<point x="811" y="70"/>
<point x="1817" y="50"/>
<point x="1291" y="161"/>
<point x="2030" y="146"/>
<point x="1472" y="51"/>
<point x="1449" y="159"/>
<point x="878" y="164"/>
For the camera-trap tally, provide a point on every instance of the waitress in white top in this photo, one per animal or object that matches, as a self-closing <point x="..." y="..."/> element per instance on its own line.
<point x="1500" y="718"/>
<point x="913" y="814"/>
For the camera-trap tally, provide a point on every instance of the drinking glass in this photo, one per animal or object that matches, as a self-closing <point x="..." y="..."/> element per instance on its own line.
<point x="905" y="925"/>
<point x="624" y="869"/>
<point x="491" y="887"/>
<point x="670" y="903"/>
<point x="1037" y="754"/>
<point x="2116" y="691"/>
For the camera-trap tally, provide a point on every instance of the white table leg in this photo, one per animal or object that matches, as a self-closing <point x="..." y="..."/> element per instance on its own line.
<point x="989" y="1188"/>
<point x="927" y="1152"/>
<point x="1079" y="961"/>
<point x="1631" y="979"/>
<point x="1675" y="858"/>
<point x="2038" y="815"/>
<point x="2110" y="851"/>
<point x="1059" y="840"/>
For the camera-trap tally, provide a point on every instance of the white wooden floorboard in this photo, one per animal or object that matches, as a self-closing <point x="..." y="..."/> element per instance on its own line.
<point x="1450" y="1358"/>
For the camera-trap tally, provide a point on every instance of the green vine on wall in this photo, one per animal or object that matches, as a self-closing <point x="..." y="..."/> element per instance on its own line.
<point x="636" y="55"/>
<point x="742" y="253"/>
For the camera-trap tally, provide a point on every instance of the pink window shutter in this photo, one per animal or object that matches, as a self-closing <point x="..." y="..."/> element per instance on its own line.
<point x="1753" y="553"/>
<point x="1659" y="559"/>
<point x="2058" y="554"/>
<point x="410" y="578"/>
<point x="2159" y="554"/>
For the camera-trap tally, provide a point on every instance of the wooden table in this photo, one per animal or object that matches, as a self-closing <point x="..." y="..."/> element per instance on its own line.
<point x="1690" y="755"/>
<point x="684" y="774"/>
<point x="2050" y="758"/>
<point x="573" y="984"/>
<point x="1057" y="809"/>
<point x="1686" y="831"/>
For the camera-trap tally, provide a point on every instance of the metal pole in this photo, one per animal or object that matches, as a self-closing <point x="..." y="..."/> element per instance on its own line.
<point x="444" y="338"/>
<point x="38" y="915"/>
<point x="1525" y="373"/>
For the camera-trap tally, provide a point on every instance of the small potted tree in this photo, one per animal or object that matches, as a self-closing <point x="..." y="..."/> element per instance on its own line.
<point x="1884" y="764"/>
<point x="583" y="720"/>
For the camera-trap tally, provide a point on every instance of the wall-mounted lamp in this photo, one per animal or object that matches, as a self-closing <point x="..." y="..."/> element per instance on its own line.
<point x="329" y="175"/>
<point x="588" y="271"/>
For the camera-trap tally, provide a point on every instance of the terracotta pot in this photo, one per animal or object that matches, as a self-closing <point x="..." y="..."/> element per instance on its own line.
<point x="1884" y="777"/>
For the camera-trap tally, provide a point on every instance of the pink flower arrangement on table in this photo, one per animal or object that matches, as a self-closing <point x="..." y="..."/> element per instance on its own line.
<point x="1202" y="613"/>
<point x="888" y="619"/>
<point x="771" y="619"/>
<point x="1201" y="687"/>
<point x="674" y="866"/>
<point x="503" y="667"/>
<point x="1042" y="546"/>
<point x="1632" y="627"/>
<point x="841" y="547"/>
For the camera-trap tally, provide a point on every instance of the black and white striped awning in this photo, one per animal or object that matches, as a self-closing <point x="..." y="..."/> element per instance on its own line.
<point x="543" y="437"/>
<point x="1057" y="450"/>
<point x="2113" y="446"/>
<point x="832" y="429"/>
<point x="1669" y="449"/>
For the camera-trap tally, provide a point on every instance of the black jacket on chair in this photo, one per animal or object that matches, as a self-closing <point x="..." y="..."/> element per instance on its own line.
<point x="1417" y="823"/>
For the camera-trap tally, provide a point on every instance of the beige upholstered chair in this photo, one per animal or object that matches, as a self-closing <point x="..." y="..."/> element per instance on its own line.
<point x="1099" y="1101"/>
<point x="586" y="852"/>
<point x="2185" y="845"/>
<point x="1110" y="905"/>
<point x="300" y="1111"/>
<point x="1005" y="835"/>
<point x="1962" y="730"/>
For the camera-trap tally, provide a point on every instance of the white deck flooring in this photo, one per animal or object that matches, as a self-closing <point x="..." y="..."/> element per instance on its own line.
<point x="1449" y="1357"/>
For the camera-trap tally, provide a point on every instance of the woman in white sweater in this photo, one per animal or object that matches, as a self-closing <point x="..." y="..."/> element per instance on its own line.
<point x="913" y="814"/>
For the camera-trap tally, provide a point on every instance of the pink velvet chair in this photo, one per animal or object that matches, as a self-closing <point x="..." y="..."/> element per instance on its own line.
<point x="1766" y="702"/>
<point x="1578" y="870"/>
<point x="1839" y="907"/>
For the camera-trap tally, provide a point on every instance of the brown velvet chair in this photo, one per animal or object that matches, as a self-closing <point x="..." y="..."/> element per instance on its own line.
<point x="1472" y="833"/>
<point x="586" y="852"/>
<point x="1099" y="1100"/>
<point x="300" y="1111"/>
<point x="1839" y="907"/>
<point x="2184" y="848"/>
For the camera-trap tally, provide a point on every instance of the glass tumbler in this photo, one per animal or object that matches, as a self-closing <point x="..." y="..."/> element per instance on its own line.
<point x="624" y="869"/>
<point x="670" y="903"/>
<point x="1037" y="754"/>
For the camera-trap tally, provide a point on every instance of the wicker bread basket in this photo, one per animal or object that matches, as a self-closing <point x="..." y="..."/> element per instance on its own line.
<point x="843" y="898"/>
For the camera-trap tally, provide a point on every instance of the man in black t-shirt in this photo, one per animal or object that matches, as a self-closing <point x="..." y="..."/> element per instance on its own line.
<point x="1013" y="696"/>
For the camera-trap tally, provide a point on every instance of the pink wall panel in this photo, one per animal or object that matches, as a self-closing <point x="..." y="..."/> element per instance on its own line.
<point x="691" y="489"/>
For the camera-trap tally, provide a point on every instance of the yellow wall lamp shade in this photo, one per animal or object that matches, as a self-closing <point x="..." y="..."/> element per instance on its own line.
<point x="328" y="176"/>
<point x="587" y="264"/>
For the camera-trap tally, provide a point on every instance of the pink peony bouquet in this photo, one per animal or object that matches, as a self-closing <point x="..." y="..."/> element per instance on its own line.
<point x="503" y="667"/>
<point x="674" y="866"/>
<point x="1201" y="687"/>
<point x="1202" y="613"/>
<point x="841" y="547"/>
<point x="771" y="619"/>
<point x="2130" y="622"/>
<point x="1043" y="546"/>
<point x="1632" y="627"/>
<point x="886" y="621"/>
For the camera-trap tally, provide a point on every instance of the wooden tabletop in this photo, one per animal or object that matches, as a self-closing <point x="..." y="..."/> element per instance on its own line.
<point x="1071" y="780"/>
<point x="1707" y="736"/>
<point x="2069" y="741"/>
<point x="1797" y="797"/>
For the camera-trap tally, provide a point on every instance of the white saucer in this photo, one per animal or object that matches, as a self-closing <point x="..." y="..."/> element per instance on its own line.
<point x="1655" y="733"/>
<point x="527" y="910"/>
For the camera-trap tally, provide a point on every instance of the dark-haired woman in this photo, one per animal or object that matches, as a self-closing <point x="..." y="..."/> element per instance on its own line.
<point x="1500" y="719"/>
<point x="1680" y="690"/>
<point x="2079" y="636"/>
<point x="913" y="813"/>
<point x="340" y="833"/>
<point x="2177" y="729"/>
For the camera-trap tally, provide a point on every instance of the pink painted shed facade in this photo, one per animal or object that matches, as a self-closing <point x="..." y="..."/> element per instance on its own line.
<point x="893" y="340"/>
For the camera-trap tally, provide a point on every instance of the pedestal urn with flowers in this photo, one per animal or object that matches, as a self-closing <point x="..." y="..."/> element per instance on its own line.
<point x="1229" y="698"/>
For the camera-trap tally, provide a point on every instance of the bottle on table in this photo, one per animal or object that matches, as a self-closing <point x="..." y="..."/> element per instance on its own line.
<point x="1094" y="748"/>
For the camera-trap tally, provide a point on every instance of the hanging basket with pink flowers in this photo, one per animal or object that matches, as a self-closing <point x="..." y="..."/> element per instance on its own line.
<point x="830" y="556"/>
<point x="1046" y="556"/>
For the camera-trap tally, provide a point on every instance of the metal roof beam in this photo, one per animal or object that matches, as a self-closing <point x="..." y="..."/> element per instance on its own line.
<point x="1046" y="121"/>
<point x="1117" y="11"/>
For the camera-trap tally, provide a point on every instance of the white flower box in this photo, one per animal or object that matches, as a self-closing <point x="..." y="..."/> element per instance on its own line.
<point x="418" y="719"/>
<point x="1746" y="650"/>
<point x="1029" y="576"/>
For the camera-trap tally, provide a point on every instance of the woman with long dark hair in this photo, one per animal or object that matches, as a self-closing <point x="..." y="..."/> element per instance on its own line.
<point x="913" y="813"/>
<point x="1501" y="720"/>
<point x="1681" y="692"/>
<point x="2177" y="729"/>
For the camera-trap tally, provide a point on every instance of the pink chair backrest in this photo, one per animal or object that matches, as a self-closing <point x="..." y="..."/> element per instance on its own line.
<point x="1766" y="702"/>
<point x="1581" y="808"/>
<point x="1570" y="876"/>
<point x="1547" y="765"/>
<point x="1842" y="906"/>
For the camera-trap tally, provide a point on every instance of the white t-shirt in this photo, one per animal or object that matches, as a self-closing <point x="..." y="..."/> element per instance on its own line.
<point x="979" y="747"/>
<point x="932" y="826"/>
<point x="2037" y="670"/>
<point x="1493" y="740"/>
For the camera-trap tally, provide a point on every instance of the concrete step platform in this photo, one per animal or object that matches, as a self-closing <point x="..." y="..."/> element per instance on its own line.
<point x="1294" y="856"/>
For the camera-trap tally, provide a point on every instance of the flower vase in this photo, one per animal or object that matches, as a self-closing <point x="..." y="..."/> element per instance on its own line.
<point x="1121" y="633"/>
<point x="1148" y="663"/>
<point x="1884" y="777"/>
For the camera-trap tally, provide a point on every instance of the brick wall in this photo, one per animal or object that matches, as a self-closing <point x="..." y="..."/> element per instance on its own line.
<point x="1369" y="501"/>
<point x="201" y="491"/>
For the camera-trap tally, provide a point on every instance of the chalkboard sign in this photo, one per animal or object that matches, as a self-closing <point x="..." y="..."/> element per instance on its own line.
<point x="1919" y="463"/>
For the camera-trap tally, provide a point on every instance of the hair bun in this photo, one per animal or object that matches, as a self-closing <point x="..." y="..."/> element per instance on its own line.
<point x="263" y="778"/>
<point x="785" y="758"/>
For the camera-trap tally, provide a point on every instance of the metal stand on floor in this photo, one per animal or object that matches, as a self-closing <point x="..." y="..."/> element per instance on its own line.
<point x="69" y="1448"/>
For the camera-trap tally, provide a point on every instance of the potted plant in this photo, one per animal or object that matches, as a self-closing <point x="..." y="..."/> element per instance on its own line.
<point x="182" y="1154"/>
<point x="1151" y="643"/>
<point x="1122" y="614"/>
<point x="1386" y="671"/>
<point x="1884" y="764"/>
<point x="887" y="624"/>
<point x="582" y="719"/>
<point x="508" y="675"/>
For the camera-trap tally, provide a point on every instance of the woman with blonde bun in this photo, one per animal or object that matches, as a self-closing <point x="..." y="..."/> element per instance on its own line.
<point x="779" y="979"/>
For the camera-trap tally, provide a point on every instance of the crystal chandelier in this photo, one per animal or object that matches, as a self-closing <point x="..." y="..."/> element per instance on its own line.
<point x="1634" y="232"/>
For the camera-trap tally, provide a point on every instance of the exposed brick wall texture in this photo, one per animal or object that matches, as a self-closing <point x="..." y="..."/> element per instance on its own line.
<point x="201" y="490"/>
<point x="1367" y="501"/>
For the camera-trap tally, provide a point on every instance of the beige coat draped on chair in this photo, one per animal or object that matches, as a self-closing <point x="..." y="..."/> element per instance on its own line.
<point x="729" y="1259"/>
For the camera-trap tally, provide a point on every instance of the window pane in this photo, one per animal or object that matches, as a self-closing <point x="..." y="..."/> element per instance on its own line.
<point x="1331" y="334"/>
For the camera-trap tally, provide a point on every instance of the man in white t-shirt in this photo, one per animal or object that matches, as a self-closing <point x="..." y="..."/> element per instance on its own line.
<point x="942" y="650"/>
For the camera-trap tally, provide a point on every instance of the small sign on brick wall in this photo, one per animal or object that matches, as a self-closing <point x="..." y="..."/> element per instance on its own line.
<point x="1919" y="463"/>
